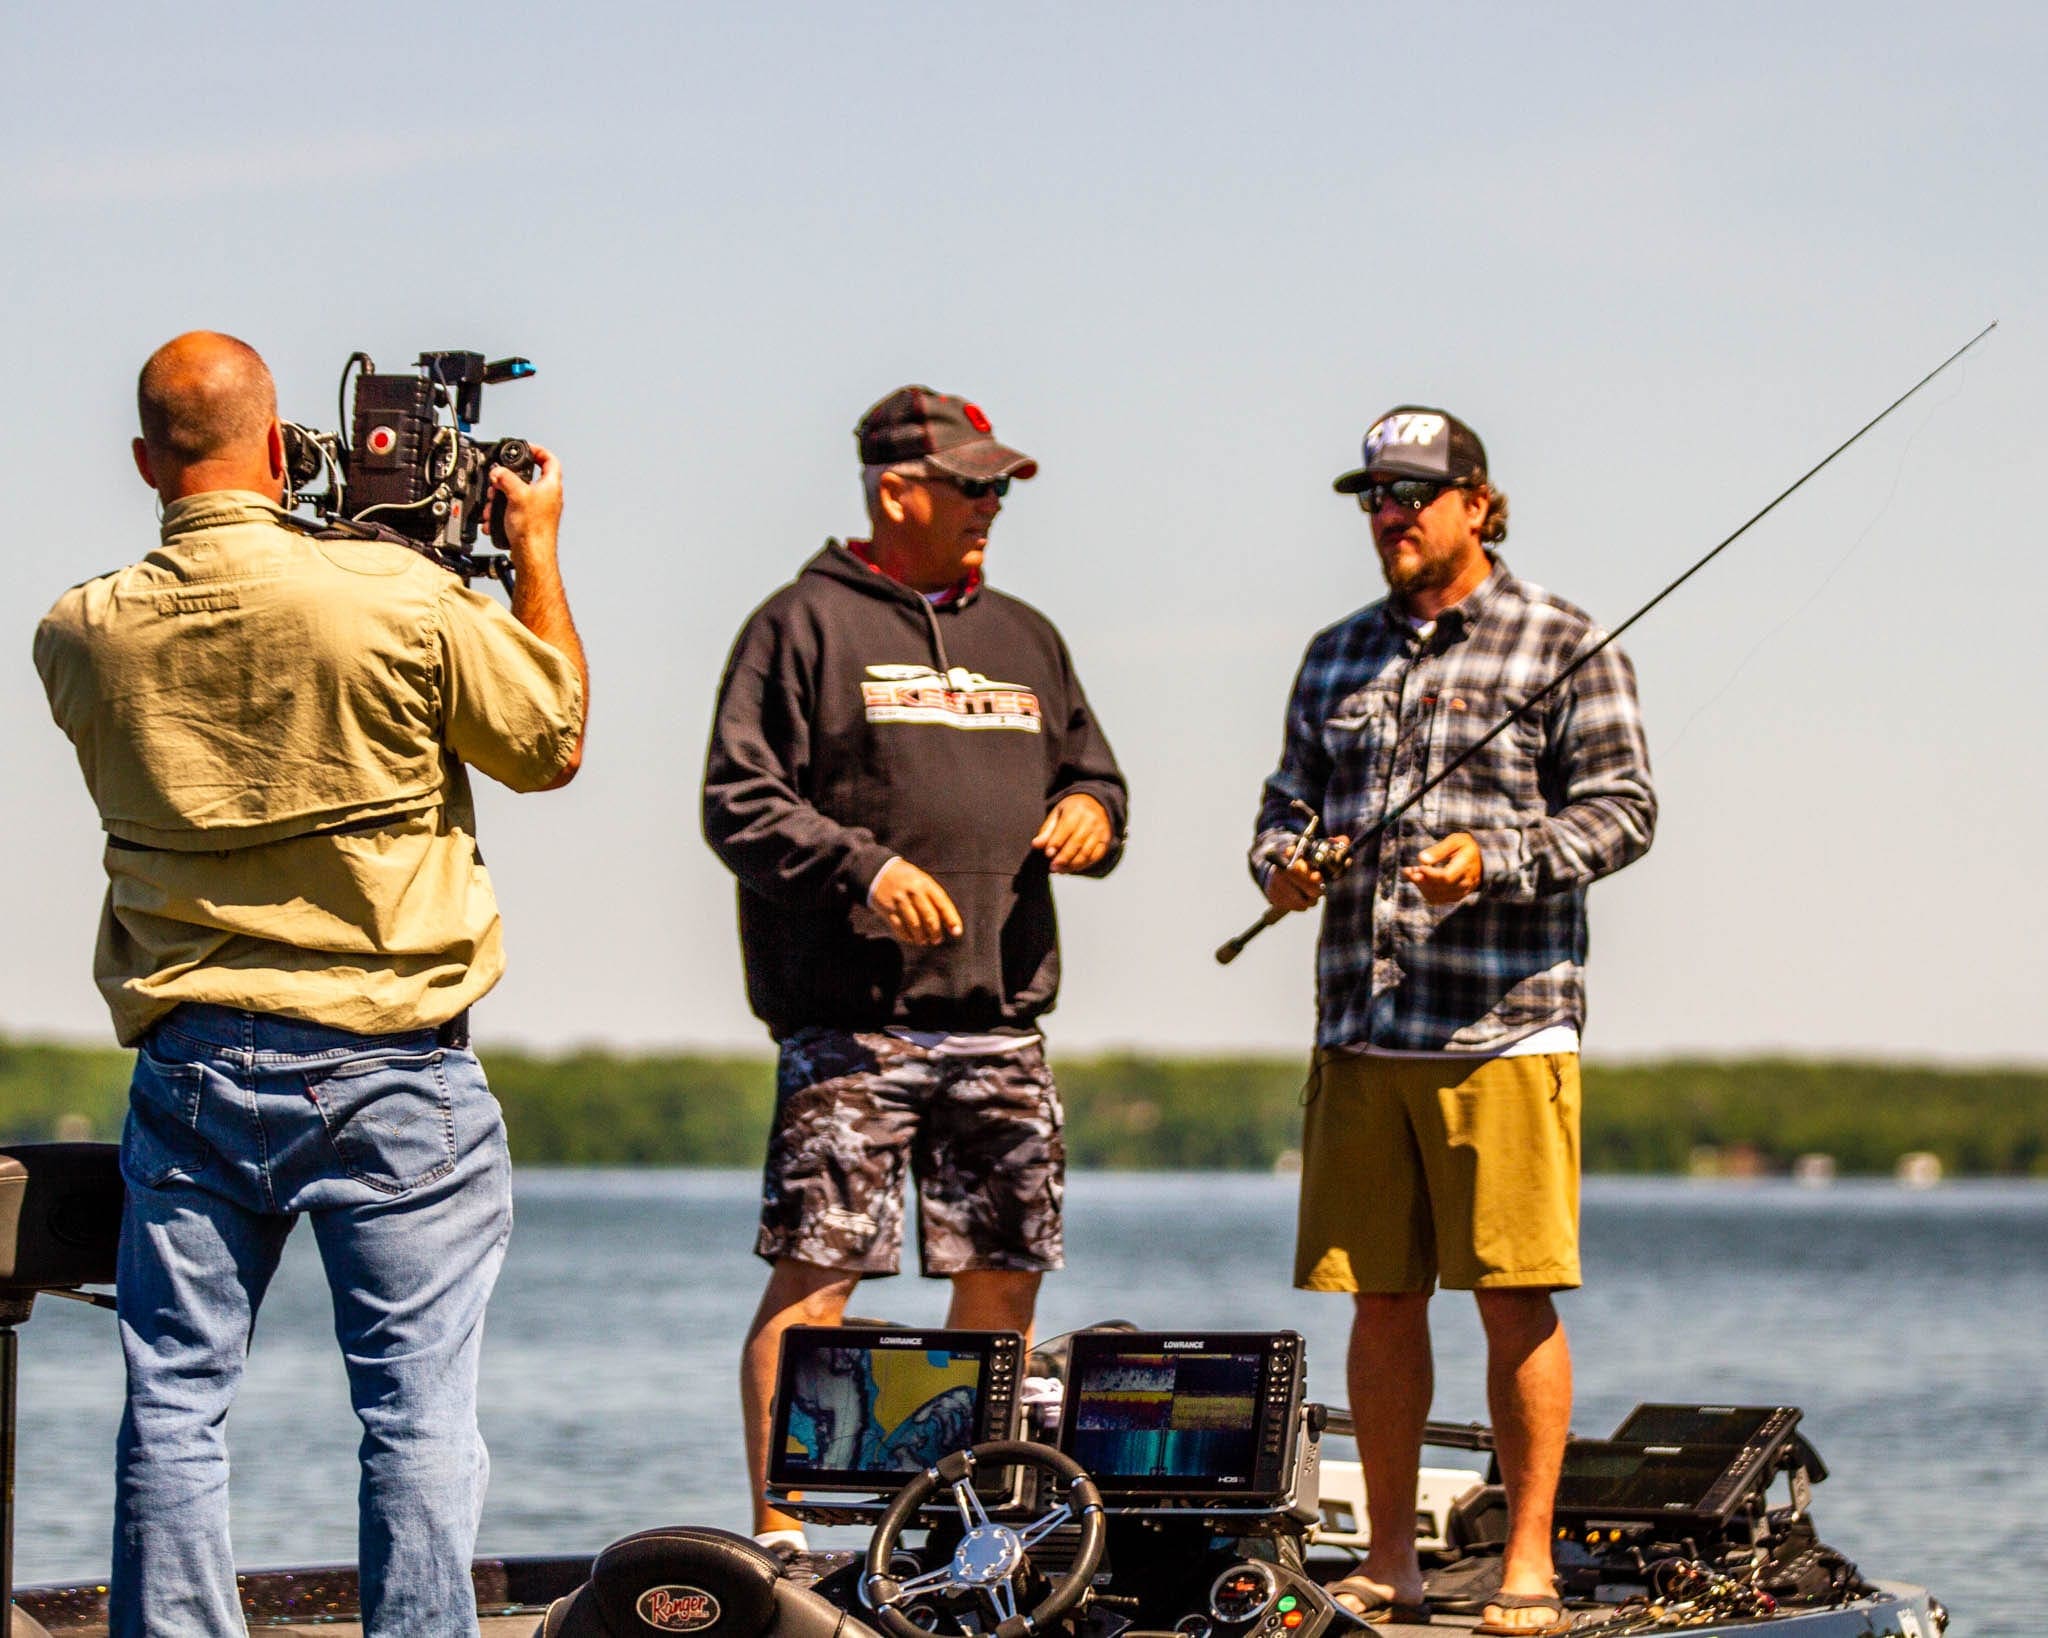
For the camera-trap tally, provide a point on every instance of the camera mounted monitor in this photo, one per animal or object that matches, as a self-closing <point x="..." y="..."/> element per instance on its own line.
<point x="1206" y="1417"/>
<point x="861" y="1409"/>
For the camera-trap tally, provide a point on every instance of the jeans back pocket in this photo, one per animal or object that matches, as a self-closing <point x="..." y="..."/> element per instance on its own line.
<point x="388" y="1117"/>
<point x="160" y="1139"/>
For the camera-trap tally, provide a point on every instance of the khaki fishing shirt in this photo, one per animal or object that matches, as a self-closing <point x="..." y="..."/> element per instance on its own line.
<point x="275" y="730"/>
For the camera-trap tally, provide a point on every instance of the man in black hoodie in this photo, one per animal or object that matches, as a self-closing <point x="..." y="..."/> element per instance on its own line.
<point x="902" y="759"/>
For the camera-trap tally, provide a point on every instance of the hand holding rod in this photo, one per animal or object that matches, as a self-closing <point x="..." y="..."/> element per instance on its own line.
<point x="1229" y="952"/>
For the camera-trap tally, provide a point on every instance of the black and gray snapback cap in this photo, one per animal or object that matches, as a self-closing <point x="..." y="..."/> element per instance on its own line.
<point x="1414" y="441"/>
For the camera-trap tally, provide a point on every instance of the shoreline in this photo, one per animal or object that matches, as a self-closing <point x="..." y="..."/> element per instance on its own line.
<point x="1819" y="1120"/>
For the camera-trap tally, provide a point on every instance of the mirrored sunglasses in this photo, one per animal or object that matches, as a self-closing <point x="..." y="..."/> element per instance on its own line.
<point x="1411" y="494"/>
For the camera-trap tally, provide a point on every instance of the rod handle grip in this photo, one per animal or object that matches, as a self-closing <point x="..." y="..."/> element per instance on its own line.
<point x="1228" y="952"/>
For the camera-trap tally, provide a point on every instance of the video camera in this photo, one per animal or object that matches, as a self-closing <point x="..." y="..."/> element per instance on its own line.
<point x="406" y="472"/>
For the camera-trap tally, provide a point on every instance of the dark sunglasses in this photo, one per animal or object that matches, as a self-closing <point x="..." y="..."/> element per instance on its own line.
<point x="975" y="488"/>
<point x="1410" y="494"/>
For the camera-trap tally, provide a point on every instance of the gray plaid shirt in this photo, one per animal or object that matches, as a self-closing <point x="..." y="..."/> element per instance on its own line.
<point x="1561" y="798"/>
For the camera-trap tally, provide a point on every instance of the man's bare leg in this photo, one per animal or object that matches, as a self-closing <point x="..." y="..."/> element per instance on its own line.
<point x="797" y="1294"/>
<point x="1529" y="1392"/>
<point x="994" y="1299"/>
<point x="1391" y="1375"/>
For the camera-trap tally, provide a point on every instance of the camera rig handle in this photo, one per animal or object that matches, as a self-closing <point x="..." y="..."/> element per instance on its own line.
<point x="465" y="375"/>
<point x="515" y="455"/>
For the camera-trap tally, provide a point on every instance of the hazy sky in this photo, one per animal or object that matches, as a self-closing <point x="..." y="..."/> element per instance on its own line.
<point x="1661" y="257"/>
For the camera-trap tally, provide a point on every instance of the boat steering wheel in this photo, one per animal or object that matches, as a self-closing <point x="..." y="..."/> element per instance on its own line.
<point x="991" y="1557"/>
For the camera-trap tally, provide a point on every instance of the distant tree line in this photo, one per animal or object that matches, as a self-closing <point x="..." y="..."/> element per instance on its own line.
<point x="1134" y="1111"/>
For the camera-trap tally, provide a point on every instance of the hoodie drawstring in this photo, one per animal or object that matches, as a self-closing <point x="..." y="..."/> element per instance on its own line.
<point x="931" y="619"/>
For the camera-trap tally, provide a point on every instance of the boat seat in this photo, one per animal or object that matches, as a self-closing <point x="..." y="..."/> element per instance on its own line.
<point x="60" y="1215"/>
<point x="692" y="1579"/>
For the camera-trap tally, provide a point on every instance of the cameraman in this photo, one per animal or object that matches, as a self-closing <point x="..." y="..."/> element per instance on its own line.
<point x="275" y="727"/>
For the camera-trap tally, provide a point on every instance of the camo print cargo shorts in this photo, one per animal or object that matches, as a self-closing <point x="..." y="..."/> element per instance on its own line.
<point x="980" y="1135"/>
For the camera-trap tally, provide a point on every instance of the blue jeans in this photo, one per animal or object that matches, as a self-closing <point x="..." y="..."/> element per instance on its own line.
<point x="239" y="1122"/>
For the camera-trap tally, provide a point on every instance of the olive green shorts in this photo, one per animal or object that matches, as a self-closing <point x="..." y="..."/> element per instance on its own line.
<point x="1416" y="1171"/>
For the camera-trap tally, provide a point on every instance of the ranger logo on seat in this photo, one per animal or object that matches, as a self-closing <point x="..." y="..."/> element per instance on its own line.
<point x="677" y="1609"/>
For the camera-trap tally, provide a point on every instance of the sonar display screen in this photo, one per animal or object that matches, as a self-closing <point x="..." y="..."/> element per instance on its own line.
<point x="1627" y="1479"/>
<point x="1166" y="1419"/>
<point x="858" y="1413"/>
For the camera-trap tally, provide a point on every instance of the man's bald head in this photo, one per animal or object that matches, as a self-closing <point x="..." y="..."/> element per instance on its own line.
<point x="208" y="405"/>
<point x="204" y="395"/>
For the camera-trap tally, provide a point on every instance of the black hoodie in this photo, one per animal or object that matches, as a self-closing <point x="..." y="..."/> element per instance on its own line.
<point x="857" y="722"/>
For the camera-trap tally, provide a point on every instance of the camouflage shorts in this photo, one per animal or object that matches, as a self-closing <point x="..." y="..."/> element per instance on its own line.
<point x="980" y="1135"/>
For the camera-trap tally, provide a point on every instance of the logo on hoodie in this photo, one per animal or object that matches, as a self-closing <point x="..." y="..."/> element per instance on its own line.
<point x="958" y="698"/>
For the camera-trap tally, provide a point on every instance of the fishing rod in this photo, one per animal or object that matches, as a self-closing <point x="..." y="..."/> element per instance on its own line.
<point x="1340" y="856"/>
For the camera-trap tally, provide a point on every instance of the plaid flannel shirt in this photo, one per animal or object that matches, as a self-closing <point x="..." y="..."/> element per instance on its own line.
<point x="1559" y="799"/>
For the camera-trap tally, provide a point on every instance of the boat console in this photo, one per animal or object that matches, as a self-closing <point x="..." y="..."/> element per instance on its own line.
<point x="1145" y="1484"/>
<point x="1165" y="1489"/>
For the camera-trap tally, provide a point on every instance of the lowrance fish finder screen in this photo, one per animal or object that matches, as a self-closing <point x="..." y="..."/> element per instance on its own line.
<point x="864" y="1409"/>
<point x="1152" y="1415"/>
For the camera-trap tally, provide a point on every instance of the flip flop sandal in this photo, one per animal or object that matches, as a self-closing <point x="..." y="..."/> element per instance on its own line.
<point x="1375" y="1607"/>
<point x="1526" y="1601"/>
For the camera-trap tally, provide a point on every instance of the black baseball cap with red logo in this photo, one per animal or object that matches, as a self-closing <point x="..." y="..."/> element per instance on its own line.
<point x="947" y="433"/>
<point x="1414" y="441"/>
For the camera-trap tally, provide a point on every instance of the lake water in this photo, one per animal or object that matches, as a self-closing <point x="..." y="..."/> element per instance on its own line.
<point x="1911" y="1326"/>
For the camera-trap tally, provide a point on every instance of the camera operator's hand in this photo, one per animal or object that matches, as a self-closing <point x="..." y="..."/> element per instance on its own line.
<point x="1075" y="834"/>
<point x="533" y="519"/>
<point x="533" y="509"/>
<point x="1296" y="887"/>
<point x="917" y="909"/>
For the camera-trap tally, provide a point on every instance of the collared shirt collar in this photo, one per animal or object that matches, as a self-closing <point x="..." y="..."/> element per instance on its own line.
<point x="215" y="509"/>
